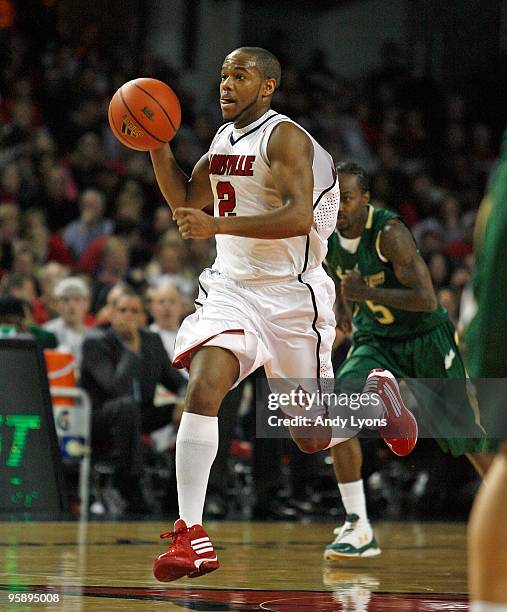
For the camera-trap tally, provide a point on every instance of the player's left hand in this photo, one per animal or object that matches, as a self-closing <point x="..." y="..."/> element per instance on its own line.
<point x="353" y="286"/>
<point x="194" y="223"/>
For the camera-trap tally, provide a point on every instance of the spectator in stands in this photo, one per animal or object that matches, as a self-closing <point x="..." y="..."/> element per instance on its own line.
<point x="12" y="315"/>
<point x="113" y="268"/>
<point x="428" y="148"/>
<point x="25" y="259"/>
<point x="87" y="159"/>
<point x="24" y="287"/>
<point x="73" y="297"/>
<point x="129" y="205"/>
<point x="168" y="265"/>
<point x="49" y="276"/>
<point x="451" y="219"/>
<point x="438" y="265"/>
<point x="91" y="223"/>
<point x="167" y="309"/>
<point x="9" y="234"/>
<point x="162" y="221"/>
<point x="57" y="199"/>
<point x="447" y="297"/>
<point x="46" y="246"/>
<point x="10" y="183"/>
<point x="16" y="313"/>
<point x="120" y="370"/>
<point x="105" y="313"/>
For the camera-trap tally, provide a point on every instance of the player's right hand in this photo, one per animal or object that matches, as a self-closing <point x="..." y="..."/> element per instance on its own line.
<point x="194" y="223"/>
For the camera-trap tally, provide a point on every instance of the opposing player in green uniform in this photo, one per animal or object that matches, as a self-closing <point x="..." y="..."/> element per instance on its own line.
<point x="487" y="339"/>
<point x="399" y="327"/>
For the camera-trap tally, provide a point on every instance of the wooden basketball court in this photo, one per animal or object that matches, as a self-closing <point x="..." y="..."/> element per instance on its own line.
<point x="264" y="566"/>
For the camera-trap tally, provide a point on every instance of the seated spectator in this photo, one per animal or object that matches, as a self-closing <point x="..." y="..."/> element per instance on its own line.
<point x="199" y="254"/>
<point x="168" y="266"/>
<point x="431" y="242"/>
<point x="162" y="220"/>
<point x="129" y="233"/>
<point x="57" y="198"/>
<point x="87" y="158"/>
<point x="462" y="247"/>
<point x="90" y="225"/>
<point x="46" y="246"/>
<point x="120" y="370"/>
<point x="24" y="287"/>
<point x="167" y="309"/>
<point x="459" y="279"/>
<point x="104" y="315"/>
<point x="25" y="259"/>
<point x="49" y="276"/>
<point x="439" y="268"/>
<point x="129" y="204"/>
<point x="449" y="300"/>
<point x="451" y="219"/>
<point x="114" y="265"/>
<point x="12" y="315"/>
<point x="17" y="315"/>
<point x="10" y="182"/>
<point x="9" y="234"/>
<point x="73" y="298"/>
<point x="428" y="225"/>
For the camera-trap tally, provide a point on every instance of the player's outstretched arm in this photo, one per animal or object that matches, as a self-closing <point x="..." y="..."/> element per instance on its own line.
<point x="397" y="245"/>
<point x="177" y="189"/>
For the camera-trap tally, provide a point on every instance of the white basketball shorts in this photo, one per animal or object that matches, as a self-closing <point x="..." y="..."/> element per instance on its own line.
<point x="288" y="327"/>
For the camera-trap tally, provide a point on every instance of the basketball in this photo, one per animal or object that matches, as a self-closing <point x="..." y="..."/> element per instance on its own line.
<point x="144" y="114"/>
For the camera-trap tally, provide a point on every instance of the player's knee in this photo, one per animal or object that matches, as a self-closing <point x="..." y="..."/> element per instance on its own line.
<point x="201" y="398"/>
<point x="311" y="445"/>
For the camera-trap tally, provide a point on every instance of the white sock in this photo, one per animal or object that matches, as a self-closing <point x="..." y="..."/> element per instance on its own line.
<point x="196" y="449"/>
<point x="353" y="498"/>
<point x="486" y="606"/>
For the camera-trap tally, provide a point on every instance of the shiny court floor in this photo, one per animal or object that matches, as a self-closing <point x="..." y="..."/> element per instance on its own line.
<point x="264" y="566"/>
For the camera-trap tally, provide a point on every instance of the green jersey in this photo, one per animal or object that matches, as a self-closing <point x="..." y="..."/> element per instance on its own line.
<point x="487" y="335"/>
<point x="369" y="317"/>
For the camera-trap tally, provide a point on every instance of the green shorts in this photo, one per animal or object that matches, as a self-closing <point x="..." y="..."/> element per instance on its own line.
<point x="432" y="355"/>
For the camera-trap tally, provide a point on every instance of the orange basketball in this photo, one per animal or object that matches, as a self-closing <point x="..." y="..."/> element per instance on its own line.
<point x="144" y="114"/>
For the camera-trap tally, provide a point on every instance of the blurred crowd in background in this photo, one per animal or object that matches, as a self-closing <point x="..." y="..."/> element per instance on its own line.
<point x="75" y="202"/>
<point x="73" y="199"/>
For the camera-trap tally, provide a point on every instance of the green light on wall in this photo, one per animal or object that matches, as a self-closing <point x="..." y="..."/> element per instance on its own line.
<point x="22" y="424"/>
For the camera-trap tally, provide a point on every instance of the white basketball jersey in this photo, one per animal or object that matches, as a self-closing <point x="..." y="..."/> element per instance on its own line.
<point x="242" y="184"/>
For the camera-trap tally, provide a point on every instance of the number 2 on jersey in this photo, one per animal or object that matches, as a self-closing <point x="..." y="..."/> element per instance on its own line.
<point x="226" y="199"/>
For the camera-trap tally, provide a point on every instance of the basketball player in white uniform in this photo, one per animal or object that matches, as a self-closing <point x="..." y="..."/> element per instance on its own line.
<point x="267" y="300"/>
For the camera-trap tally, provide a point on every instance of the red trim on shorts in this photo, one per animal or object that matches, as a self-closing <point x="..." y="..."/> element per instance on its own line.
<point x="183" y="359"/>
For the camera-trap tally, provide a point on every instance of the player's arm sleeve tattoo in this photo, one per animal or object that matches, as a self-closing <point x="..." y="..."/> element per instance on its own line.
<point x="397" y="245"/>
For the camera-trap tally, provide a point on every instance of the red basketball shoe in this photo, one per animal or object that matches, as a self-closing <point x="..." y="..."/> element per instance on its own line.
<point x="400" y="433"/>
<point x="190" y="554"/>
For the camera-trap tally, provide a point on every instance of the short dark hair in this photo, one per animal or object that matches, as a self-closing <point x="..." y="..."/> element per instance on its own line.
<point x="11" y="305"/>
<point x="266" y="62"/>
<point x="355" y="170"/>
<point x="131" y="292"/>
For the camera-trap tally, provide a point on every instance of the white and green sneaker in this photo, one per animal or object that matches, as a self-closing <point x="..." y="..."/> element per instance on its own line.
<point x="353" y="539"/>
